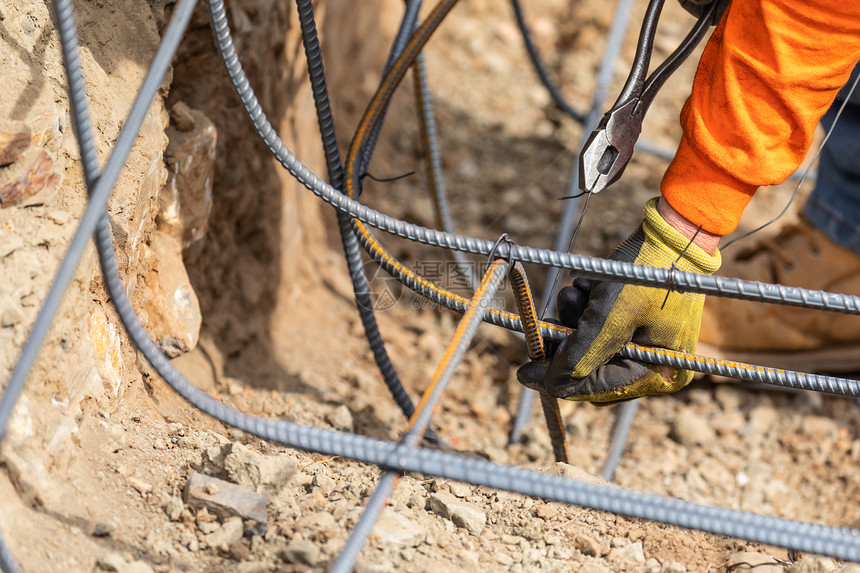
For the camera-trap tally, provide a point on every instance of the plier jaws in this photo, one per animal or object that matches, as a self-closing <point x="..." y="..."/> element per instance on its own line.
<point x="608" y="149"/>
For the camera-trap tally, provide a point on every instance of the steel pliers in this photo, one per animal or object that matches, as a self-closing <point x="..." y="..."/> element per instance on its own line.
<point x="610" y="146"/>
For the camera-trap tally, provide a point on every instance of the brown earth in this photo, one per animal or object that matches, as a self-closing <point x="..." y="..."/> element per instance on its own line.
<point x="101" y="449"/>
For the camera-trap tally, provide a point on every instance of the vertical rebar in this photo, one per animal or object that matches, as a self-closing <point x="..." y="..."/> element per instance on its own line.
<point x="420" y="421"/>
<point x="617" y="33"/>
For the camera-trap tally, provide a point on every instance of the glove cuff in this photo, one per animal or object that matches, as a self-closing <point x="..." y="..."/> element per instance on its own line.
<point x="695" y="257"/>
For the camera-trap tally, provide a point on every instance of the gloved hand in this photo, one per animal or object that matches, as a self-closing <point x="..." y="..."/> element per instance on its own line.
<point x="608" y="315"/>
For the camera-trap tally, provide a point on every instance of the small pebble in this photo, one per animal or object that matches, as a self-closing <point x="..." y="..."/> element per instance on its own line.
<point x="103" y="529"/>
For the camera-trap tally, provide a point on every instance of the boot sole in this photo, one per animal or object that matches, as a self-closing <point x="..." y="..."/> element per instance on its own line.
<point x="842" y="360"/>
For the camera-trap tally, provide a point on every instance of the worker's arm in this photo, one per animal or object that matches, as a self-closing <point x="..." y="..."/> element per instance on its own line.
<point x="768" y="74"/>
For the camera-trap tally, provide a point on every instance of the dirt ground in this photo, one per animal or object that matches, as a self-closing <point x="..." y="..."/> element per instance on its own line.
<point x="507" y="155"/>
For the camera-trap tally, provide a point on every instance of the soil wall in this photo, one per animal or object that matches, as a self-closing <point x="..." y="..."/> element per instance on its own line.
<point x="209" y="229"/>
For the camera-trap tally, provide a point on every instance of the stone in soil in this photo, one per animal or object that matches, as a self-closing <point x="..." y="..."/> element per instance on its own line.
<point x="14" y="140"/>
<point x="230" y="499"/>
<point x="462" y="513"/>
<point x="228" y="533"/>
<point x="301" y="551"/>
<point x="111" y="562"/>
<point x="572" y="472"/>
<point x="631" y="552"/>
<point x="341" y="418"/>
<point x="169" y="298"/>
<point x="395" y="529"/>
<point x="264" y="474"/>
<point x="586" y="545"/>
<point x="174" y="508"/>
<point x="690" y="429"/>
<point x="104" y="529"/>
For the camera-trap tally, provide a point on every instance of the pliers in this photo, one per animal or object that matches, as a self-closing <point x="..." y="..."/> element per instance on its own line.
<point x="610" y="146"/>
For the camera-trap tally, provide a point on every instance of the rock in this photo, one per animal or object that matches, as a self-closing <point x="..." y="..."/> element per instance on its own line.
<point x="22" y="472"/>
<point x="324" y="483"/>
<point x="228" y="533"/>
<point x="586" y="545"/>
<point x="162" y="547"/>
<point x="239" y="551"/>
<point x="320" y="523"/>
<point x="106" y="343"/>
<point x="742" y="561"/>
<point x="728" y="423"/>
<point x="814" y="564"/>
<point x="111" y="562"/>
<point x="674" y="566"/>
<point x="213" y="460"/>
<point x="169" y="299"/>
<point x="203" y="516"/>
<point x="174" y="508"/>
<point x="340" y="418"/>
<point x="652" y="565"/>
<point x="394" y="529"/>
<point x="302" y="552"/>
<point x="264" y="474"/>
<point x="185" y="203"/>
<point x="140" y="485"/>
<point x="231" y="500"/>
<point x="631" y="552"/>
<point x="547" y="511"/>
<point x="763" y="418"/>
<point x="572" y="472"/>
<point x="699" y="396"/>
<point x="11" y="314"/>
<point x="189" y="540"/>
<point x="14" y="140"/>
<point x="689" y="429"/>
<point x="462" y="513"/>
<point x="32" y="170"/>
<point x="182" y="117"/>
<point x="460" y="489"/>
<point x="730" y="398"/>
<point x="103" y="529"/>
<point x="207" y="527"/>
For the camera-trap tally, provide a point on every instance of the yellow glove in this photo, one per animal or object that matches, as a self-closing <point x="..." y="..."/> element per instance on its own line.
<point x="586" y="367"/>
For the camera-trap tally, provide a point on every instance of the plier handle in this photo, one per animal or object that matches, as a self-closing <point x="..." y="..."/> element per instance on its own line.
<point x="610" y="146"/>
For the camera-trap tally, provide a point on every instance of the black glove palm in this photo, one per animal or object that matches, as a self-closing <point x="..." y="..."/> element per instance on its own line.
<point x="608" y="315"/>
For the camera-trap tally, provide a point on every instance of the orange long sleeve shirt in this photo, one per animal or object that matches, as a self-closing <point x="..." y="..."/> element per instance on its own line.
<point x="769" y="72"/>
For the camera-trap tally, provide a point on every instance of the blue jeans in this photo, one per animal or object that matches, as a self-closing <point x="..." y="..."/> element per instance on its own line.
<point x="833" y="206"/>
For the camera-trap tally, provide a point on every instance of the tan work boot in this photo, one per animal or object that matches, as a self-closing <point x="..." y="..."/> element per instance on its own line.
<point x="782" y="336"/>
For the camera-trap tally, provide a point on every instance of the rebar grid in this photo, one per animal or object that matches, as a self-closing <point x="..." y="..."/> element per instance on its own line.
<point x="838" y="542"/>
